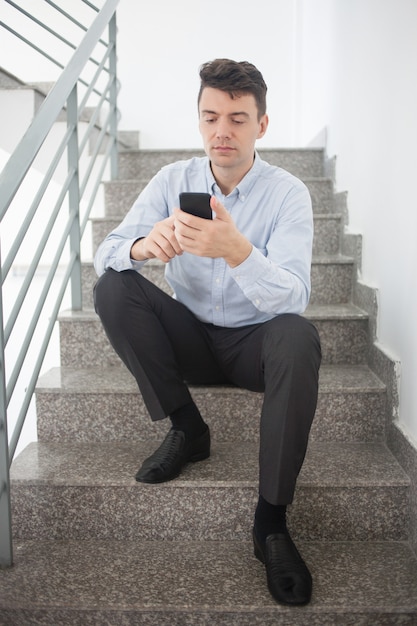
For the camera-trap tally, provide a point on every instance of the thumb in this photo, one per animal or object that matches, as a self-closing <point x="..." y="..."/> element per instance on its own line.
<point x="218" y="208"/>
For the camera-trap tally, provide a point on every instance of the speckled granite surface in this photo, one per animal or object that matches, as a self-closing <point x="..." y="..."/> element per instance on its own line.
<point x="331" y="280"/>
<point x="119" y="195"/>
<point x="343" y="332"/>
<point x="406" y="454"/>
<point x="304" y="163"/>
<point x="103" y="404"/>
<point x="88" y="490"/>
<point x="219" y="583"/>
<point x="387" y="369"/>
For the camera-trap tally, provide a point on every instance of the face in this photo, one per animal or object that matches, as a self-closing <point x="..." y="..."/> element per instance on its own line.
<point x="230" y="128"/>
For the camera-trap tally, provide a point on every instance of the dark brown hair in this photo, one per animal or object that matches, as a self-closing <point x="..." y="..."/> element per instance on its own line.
<point x="235" y="78"/>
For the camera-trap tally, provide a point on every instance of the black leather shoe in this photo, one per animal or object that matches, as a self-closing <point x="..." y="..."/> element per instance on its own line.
<point x="174" y="452"/>
<point x="289" y="580"/>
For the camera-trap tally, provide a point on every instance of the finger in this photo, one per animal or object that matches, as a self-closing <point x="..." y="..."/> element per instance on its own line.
<point x="218" y="208"/>
<point x="169" y="234"/>
<point x="163" y="251"/>
<point x="188" y="219"/>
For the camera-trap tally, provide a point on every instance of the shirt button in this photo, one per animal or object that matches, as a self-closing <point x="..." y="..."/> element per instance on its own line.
<point x="257" y="302"/>
<point x="217" y="308"/>
<point x="217" y="280"/>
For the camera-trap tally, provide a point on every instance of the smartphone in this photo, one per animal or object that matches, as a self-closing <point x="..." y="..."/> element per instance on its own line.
<point x="197" y="204"/>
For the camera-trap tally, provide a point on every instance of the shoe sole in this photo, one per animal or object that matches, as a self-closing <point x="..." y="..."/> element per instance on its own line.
<point x="257" y="550"/>
<point x="200" y="456"/>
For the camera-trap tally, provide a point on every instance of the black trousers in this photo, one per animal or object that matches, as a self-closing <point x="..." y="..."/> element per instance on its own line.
<point x="166" y="348"/>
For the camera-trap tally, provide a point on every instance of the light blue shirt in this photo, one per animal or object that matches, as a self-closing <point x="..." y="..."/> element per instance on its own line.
<point x="270" y="206"/>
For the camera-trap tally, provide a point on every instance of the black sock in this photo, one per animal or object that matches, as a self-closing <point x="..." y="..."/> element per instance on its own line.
<point x="188" y="419"/>
<point x="270" y="519"/>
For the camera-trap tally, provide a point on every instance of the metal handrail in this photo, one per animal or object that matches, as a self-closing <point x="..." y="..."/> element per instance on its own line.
<point x="48" y="29"/>
<point x="73" y="193"/>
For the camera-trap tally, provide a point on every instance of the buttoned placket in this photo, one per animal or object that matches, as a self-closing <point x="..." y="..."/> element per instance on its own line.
<point x="219" y="265"/>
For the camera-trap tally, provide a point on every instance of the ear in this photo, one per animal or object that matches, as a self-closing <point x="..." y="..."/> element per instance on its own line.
<point x="263" y="125"/>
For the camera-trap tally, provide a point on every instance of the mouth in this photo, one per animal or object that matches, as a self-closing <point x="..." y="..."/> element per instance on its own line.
<point x="223" y="149"/>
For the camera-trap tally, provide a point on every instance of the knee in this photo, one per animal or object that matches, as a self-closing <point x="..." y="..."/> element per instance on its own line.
<point x="109" y="292"/>
<point x="293" y="335"/>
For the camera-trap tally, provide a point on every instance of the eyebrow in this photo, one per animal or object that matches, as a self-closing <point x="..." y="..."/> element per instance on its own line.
<point x="229" y="115"/>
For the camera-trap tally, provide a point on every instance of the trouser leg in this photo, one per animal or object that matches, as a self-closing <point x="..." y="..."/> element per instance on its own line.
<point x="160" y="341"/>
<point x="163" y="344"/>
<point x="291" y="356"/>
<point x="281" y="358"/>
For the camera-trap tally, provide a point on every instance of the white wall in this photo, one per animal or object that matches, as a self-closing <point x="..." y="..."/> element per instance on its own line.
<point x="370" y="105"/>
<point x="162" y="44"/>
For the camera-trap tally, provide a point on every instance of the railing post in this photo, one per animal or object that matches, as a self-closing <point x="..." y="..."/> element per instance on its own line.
<point x="74" y="199"/>
<point x="114" y="162"/>
<point x="6" y="549"/>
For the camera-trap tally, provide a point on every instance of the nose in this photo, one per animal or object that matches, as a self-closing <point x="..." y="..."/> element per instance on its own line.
<point x="223" y="129"/>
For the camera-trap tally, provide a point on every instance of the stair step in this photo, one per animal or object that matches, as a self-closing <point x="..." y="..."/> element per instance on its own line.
<point x="104" y="404"/>
<point x="170" y="583"/>
<point x="121" y="194"/>
<point x="331" y="279"/>
<point x="88" y="491"/>
<point x="343" y="331"/>
<point x="143" y="164"/>
<point x="327" y="228"/>
<point x="327" y="232"/>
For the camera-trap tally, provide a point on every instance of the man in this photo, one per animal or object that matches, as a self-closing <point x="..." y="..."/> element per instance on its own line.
<point x="241" y="281"/>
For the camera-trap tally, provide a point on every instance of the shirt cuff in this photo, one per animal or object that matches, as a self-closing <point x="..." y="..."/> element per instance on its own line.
<point x="124" y="260"/>
<point x="252" y="268"/>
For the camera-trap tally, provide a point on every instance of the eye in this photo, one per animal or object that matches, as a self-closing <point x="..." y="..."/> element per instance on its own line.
<point x="238" y="120"/>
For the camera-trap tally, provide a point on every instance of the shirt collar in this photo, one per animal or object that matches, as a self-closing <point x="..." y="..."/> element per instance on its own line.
<point x="245" y="185"/>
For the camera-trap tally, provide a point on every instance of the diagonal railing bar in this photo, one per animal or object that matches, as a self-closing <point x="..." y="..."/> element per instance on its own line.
<point x="42" y="52"/>
<point x="46" y="27"/>
<point x="57" y="236"/>
<point x="6" y="547"/>
<point x="94" y="81"/>
<point x="96" y="114"/>
<point x="90" y="4"/>
<point x="100" y="140"/>
<point x="22" y="158"/>
<point x="8" y="262"/>
<point x="38" y="364"/>
<point x="72" y="19"/>
<point x="35" y="260"/>
<point x="38" y="309"/>
<point x="107" y="154"/>
<point x="31" y="44"/>
<point x="92" y="124"/>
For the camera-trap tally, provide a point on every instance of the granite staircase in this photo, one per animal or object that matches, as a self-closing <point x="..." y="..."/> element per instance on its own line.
<point x="92" y="546"/>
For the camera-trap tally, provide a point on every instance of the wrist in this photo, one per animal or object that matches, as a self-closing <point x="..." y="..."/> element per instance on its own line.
<point x="136" y="251"/>
<point x="238" y="253"/>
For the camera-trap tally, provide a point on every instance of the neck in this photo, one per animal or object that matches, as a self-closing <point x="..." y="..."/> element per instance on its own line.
<point x="228" y="178"/>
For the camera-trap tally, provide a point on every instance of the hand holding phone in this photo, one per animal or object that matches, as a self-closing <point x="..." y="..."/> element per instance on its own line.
<point x="197" y="204"/>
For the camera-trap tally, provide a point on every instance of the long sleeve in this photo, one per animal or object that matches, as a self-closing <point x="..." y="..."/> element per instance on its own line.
<point x="270" y="207"/>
